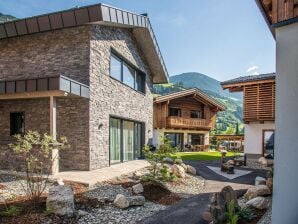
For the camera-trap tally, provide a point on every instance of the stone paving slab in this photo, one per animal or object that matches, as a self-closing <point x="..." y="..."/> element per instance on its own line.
<point x="92" y="177"/>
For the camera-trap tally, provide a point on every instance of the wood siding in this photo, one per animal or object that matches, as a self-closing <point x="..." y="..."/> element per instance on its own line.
<point x="259" y="102"/>
<point x="161" y="118"/>
<point x="280" y="10"/>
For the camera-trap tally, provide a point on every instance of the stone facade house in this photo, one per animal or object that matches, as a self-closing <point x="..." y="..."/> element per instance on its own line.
<point x="185" y="118"/>
<point x="84" y="73"/>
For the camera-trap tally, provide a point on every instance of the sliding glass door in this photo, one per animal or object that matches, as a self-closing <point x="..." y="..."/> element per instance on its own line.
<point x="115" y="140"/>
<point x="126" y="140"/>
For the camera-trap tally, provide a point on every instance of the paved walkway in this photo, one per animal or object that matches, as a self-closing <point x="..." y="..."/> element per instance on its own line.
<point x="190" y="211"/>
<point x="92" y="177"/>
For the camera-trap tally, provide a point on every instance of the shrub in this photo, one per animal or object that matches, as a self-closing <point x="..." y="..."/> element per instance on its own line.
<point x="36" y="153"/>
<point x="246" y="214"/>
<point x="158" y="169"/>
<point x="231" y="213"/>
<point x="11" y="211"/>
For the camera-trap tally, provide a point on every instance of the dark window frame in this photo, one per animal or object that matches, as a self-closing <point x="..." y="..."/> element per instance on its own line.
<point x="175" y="108"/>
<point x="143" y="137"/>
<point x="137" y="72"/>
<point x="13" y="121"/>
<point x="197" y="113"/>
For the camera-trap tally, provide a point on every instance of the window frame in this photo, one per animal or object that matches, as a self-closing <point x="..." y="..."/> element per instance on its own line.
<point x="10" y="124"/>
<point x="137" y="71"/>
<point x="142" y="136"/>
<point x="176" y="108"/>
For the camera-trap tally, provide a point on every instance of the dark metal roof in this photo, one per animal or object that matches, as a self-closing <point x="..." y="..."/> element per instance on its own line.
<point x="250" y="78"/>
<point x="99" y="13"/>
<point x="188" y="92"/>
<point x="61" y="83"/>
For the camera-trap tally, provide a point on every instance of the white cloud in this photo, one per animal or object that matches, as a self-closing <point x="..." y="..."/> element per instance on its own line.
<point x="256" y="73"/>
<point x="252" y="68"/>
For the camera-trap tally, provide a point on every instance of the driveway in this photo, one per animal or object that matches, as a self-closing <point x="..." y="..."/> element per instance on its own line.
<point x="190" y="210"/>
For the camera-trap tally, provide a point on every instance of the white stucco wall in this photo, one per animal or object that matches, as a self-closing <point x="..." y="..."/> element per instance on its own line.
<point x="285" y="197"/>
<point x="157" y="133"/>
<point x="253" y="136"/>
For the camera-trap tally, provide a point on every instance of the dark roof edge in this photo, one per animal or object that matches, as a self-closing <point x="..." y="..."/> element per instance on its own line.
<point x="246" y="79"/>
<point x="193" y="90"/>
<point x="285" y="23"/>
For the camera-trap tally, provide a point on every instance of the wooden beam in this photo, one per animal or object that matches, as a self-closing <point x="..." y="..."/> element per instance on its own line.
<point x="53" y="131"/>
<point x="42" y="94"/>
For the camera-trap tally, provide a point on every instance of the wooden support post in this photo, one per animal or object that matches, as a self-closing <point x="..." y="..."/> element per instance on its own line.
<point x="53" y="131"/>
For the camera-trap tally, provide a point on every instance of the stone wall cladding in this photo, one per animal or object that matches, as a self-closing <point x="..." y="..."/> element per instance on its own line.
<point x="37" y="117"/>
<point x="73" y="122"/>
<point x="111" y="97"/>
<point x="61" y="52"/>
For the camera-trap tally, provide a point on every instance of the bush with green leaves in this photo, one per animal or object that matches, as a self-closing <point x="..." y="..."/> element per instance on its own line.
<point x="11" y="210"/>
<point x="158" y="170"/>
<point x="245" y="214"/>
<point x="36" y="152"/>
<point x="232" y="216"/>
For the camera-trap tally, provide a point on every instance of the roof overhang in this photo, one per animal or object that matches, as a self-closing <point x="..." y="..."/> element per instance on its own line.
<point x="59" y="86"/>
<point x="96" y="14"/>
<point x="196" y="93"/>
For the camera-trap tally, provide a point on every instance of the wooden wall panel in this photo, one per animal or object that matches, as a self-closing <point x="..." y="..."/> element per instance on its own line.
<point x="280" y="10"/>
<point x="259" y="102"/>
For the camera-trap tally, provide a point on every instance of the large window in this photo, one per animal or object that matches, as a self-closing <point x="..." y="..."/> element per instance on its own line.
<point x="195" y="139"/>
<point x="176" y="139"/>
<point x="17" y="123"/>
<point x="196" y="114"/>
<point x="126" y="140"/>
<point x="122" y="71"/>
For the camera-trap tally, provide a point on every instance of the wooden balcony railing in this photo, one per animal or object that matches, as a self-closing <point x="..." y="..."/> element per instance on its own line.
<point x="188" y="123"/>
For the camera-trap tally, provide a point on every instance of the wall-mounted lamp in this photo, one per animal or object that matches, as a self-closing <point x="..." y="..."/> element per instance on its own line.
<point x="100" y="126"/>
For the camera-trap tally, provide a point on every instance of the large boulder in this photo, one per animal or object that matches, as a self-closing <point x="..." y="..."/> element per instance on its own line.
<point x="178" y="171"/>
<point x="184" y="166"/>
<point x="136" y="200"/>
<point x="138" y="188"/>
<point x="256" y="191"/>
<point x="229" y="195"/>
<point x="260" y="181"/>
<point x="191" y="170"/>
<point x="168" y="160"/>
<point x="263" y="161"/>
<point x="60" y="200"/>
<point x="258" y="203"/>
<point x="121" y="201"/>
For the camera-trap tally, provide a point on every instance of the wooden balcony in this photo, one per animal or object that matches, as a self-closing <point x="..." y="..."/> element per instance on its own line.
<point x="188" y="123"/>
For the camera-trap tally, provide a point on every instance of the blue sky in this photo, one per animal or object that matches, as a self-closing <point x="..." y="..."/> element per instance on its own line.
<point x="219" y="38"/>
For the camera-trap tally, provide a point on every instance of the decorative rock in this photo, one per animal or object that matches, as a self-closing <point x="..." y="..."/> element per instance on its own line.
<point x="82" y="213"/>
<point x="61" y="200"/>
<point x="138" y="188"/>
<point x="178" y="171"/>
<point x="269" y="183"/>
<point x="184" y="166"/>
<point x="263" y="161"/>
<point x="191" y="170"/>
<point x="178" y="161"/>
<point x="229" y="195"/>
<point x="256" y="191"/>
<point x="121" y="201"/>
<point x="260" y="181"/>
<point x="168" y="160"/>
<point x="231" y="162"/>
<point x="136" y="200"/>
<point x="258" y="203"/>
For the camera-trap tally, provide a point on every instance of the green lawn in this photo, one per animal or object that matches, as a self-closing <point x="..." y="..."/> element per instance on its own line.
<point x="207" y="156"/>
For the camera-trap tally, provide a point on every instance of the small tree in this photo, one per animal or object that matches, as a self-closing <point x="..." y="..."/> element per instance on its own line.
<point x="156" y="158"/>
<point x="35" y="150"/>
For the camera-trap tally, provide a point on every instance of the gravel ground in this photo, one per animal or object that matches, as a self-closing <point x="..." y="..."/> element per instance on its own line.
<point x="266" y="219"/>
<point x="190" y="186"/>
<point x="109" y="214"/>
<point x="255" y="165"/>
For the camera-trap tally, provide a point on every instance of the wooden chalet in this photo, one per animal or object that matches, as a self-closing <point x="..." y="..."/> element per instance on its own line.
<point x="185" y="115"/>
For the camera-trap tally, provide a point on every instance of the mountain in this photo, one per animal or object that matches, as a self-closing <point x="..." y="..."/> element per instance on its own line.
<point x="203" y="82"/>
<point x="6" y="18"/>
<point x="226" y="121"/>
